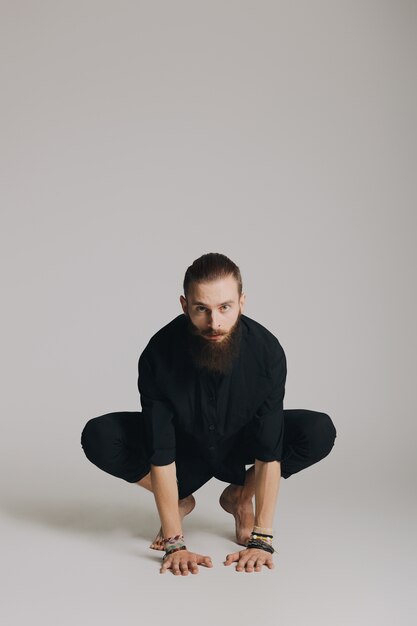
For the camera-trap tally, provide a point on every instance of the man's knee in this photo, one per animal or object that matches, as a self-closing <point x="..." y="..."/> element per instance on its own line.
<point x="322" y="435"/>
<point x="95" y="438"/>
<point x="87" y="436"/>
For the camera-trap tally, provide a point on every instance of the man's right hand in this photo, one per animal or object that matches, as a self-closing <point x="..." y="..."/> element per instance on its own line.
<point x="183" y="561"/>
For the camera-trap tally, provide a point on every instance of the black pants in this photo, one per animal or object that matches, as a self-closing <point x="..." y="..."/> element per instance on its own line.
<point x="115" y="443"/>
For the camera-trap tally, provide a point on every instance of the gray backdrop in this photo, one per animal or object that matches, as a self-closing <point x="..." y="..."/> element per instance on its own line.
<point x="136" y="136"/>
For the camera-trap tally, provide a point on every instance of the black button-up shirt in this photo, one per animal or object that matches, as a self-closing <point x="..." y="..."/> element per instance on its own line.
<point x="209" y="384"/>
<point x="217" y="420"/>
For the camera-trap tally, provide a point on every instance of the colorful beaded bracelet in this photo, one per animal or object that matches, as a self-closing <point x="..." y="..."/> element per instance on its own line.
<point x="173" y="544"/>
<point x="168" y="553"/>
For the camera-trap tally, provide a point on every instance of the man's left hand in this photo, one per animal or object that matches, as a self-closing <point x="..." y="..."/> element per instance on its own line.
<point x="250" y="559"/>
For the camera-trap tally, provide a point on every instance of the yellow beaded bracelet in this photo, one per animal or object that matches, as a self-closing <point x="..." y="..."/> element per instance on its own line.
<point x="265" y="531"/>
<point x="267" y="539"/>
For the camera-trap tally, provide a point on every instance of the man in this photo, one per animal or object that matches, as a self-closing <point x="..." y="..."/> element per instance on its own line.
<point x="212" y="384"/>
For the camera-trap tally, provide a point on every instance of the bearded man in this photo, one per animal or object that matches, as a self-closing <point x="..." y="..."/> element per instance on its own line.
<point x="212" y="385"/>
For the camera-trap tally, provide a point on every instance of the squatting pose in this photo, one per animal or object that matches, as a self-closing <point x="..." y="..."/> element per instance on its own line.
<point x="211" y="385"/>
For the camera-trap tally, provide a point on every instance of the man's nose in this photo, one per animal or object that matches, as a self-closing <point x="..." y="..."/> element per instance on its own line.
<point x="214" y="322"/>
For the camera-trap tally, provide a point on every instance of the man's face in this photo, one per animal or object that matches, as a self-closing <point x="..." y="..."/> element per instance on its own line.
<point x="213" y="311"/>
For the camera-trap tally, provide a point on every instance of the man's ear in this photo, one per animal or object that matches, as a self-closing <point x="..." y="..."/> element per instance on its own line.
<point x="183" y="302"/>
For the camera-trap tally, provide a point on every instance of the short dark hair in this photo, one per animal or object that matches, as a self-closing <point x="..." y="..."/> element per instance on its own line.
<point x="211" y="266"/>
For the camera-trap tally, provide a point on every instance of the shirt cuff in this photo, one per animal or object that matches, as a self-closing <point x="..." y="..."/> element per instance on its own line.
<point x="163" y="457"/>
<point x="266" y="458"/>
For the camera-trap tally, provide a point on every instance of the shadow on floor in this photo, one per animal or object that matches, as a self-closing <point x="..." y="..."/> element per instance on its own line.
<point x="98" y="518"/>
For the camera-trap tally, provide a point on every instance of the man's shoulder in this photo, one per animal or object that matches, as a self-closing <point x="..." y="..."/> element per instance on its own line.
<point x="258" y="331"/>
<point x="261" y="339"/>
<point x="163" y="339"/>
<point x="171" y="329"/>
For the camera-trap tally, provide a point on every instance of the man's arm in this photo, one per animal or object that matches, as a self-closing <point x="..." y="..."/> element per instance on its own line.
<point x="267" y="482"/>
<point x="267" y="445"/>
<point x="267" y="477"/>
<point x="157" y="415"/>
<point x="160" y="441"/>
<point x="269" y="438"/>
<point x="165" y="490"/>
<point x="268" y="422"/>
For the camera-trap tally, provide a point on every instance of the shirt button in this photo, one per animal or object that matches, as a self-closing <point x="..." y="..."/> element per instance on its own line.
<point x="211" y="427"/>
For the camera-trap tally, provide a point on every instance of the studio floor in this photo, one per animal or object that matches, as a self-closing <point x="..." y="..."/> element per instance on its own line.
<point x="81" y="556"/>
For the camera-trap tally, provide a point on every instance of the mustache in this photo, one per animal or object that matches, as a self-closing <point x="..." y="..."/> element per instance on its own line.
<point x="196" y="331"/>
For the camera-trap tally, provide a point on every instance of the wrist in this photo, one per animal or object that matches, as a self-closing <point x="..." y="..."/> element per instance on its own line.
<point x="261" y="538"/>
<point x="174" y="544"/>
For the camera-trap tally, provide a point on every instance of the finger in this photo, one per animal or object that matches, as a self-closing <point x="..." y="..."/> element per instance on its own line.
<point x="270" y="564"/>
<point x="193" y="567"/>
<point x="176" y="568"/>
<point x="206" y="560"/>
<point x="184" y="568"/>
<point x="241" y="565"/>
<point x="231" y="558"/>
<point x="249" y="565"/>
<point x="259" y="563"/>
<point x="165" y="565"/>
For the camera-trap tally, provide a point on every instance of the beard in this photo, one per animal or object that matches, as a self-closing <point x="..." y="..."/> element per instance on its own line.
<point x="214" y="356"/>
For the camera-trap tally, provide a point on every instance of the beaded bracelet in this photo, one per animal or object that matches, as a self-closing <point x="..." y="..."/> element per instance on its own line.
<point x="261" y="540"/>
<point x="174" y="550"/>
<point x="173" y="544"/>
<point x="256" y="543"/>
<point x="260" y="529"/>
<point x="267" y="538"/>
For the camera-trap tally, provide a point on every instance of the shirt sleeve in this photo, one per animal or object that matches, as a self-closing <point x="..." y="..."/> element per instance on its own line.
<point x="157" y="416"/>
<point x="268" y="422"/>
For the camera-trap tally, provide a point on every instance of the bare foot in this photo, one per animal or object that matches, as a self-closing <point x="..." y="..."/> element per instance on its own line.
<point x="185" y="506"/>
<point x="242" y="510"/>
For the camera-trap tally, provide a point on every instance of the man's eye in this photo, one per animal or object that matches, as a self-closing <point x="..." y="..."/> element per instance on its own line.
<point x="202" y="308"/>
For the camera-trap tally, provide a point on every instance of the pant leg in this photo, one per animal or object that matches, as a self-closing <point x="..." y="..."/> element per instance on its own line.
<point x="192" y="473"/>
<point x="309" y="436"/>
<point x="115" y="443"/>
